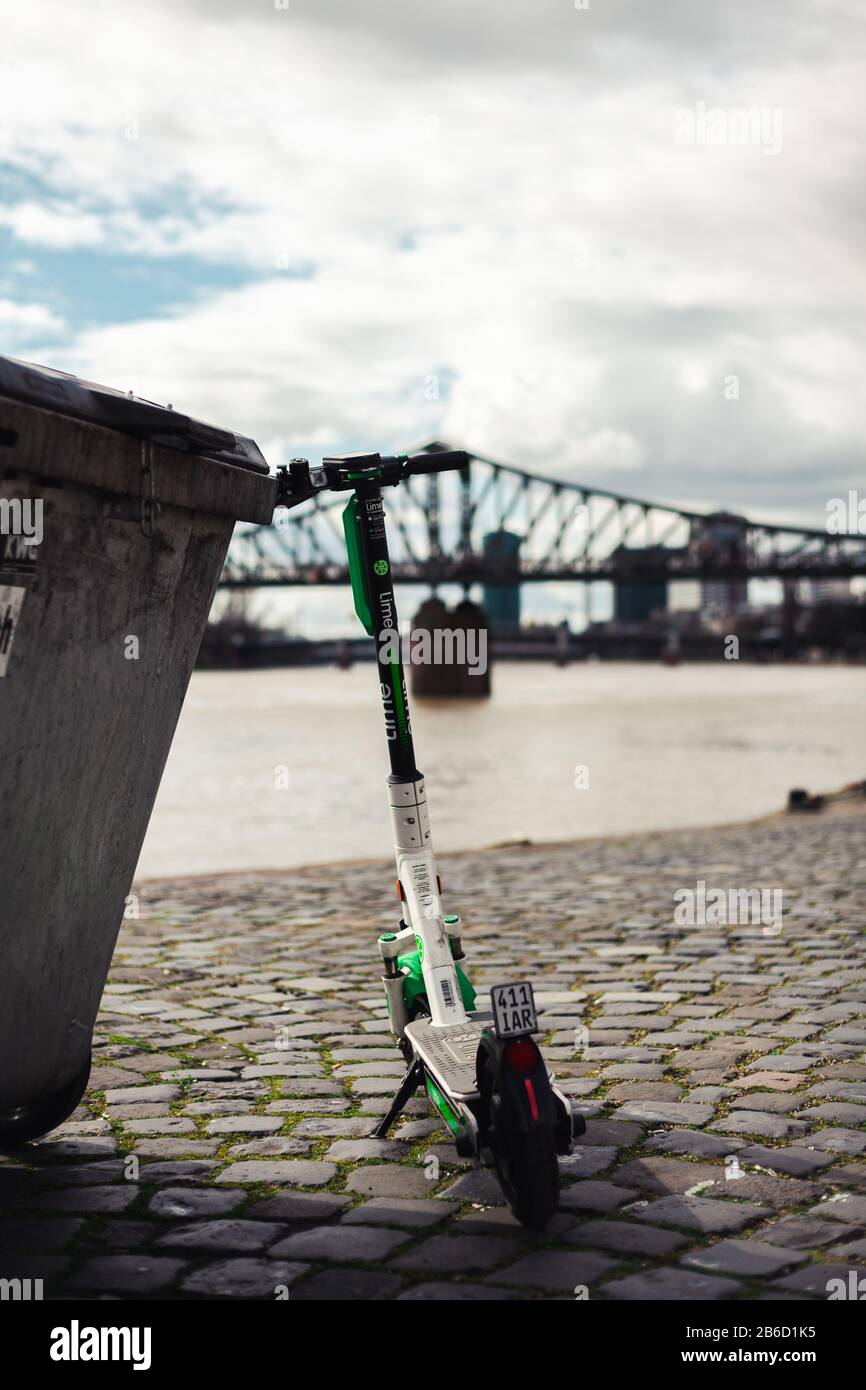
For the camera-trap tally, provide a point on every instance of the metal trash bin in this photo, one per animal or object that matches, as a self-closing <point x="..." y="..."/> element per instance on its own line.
<point x="115" y="517"/>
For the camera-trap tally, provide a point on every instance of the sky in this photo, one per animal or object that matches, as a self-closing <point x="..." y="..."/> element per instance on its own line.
<point x="608" y="240"/>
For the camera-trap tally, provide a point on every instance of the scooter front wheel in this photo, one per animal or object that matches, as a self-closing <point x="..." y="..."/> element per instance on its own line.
<point x="420" y="1009"/>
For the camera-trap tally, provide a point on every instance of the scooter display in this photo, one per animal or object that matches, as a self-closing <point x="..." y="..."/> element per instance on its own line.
<point x="481" y="1068"/>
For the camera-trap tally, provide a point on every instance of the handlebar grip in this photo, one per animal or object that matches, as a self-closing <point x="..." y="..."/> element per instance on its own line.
<point x="441" y="461"/>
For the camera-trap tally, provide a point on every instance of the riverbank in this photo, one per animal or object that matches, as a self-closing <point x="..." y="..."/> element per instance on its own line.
<point x="243" y="1060"/>
<point x="843" y="802"/>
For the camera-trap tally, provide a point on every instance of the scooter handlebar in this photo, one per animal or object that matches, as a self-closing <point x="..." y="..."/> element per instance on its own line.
<point x="298" y="482"/>
<point x="442" y="461"/>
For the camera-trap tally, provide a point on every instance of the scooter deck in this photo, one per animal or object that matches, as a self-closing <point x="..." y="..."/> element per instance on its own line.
<point x="449" y="1053"/>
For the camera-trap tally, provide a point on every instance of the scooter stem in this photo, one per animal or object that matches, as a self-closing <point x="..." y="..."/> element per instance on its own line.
<point x="417" y="878"/>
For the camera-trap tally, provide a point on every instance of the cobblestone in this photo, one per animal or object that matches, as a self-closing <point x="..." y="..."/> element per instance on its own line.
<point x="225" y="1148"/>
<point x="225" y="1237"/>
<point x="243" y="1278"/>
<point x="671" y="1285"/>
<point x="175" y="1203"/>
<point x="626" y="1237"/>
<point x="556" y="1269"/>
<point x="453" y="1254"/>
<point x="703" y="1214"/>
<point x="340" y="1243"/>
<point x="305" y="1174"/>
<point x="746" y="1258"/>
<point x="391" y="1211"/>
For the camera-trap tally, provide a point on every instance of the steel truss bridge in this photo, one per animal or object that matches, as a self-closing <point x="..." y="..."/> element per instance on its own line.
<point x="498" y="524"/>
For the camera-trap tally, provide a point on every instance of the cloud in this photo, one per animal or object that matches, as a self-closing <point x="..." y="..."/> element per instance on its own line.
<point x="500" y="238"/>
<point x="63" y="226"/>
<point x="28" y="320"/>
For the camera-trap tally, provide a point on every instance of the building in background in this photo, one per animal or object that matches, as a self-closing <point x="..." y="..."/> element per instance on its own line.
<point x="636" y="600"/>
<point x="826" y="591"/>
<point x="720" y="540"/>
<point x="502" y="601"/>
<point x="723" y="597"/>
<point x="637" y="603"/>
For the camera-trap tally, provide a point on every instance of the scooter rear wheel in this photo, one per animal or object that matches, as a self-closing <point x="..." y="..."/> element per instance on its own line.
<point x="524" y="1157"/>
<point x="529" y="1175"/>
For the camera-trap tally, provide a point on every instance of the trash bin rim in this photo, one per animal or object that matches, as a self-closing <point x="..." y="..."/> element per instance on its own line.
<point x="33" y="384"/>
<point x="56" y="449"/>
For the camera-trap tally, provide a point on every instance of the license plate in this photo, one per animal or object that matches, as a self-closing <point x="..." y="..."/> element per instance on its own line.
<point x="514" y="1010"/>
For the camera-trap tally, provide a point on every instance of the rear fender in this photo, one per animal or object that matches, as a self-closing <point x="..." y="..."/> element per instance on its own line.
<point x="517" y="1102"/>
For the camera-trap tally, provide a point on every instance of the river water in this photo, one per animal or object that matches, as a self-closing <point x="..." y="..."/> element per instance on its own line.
<point x="278" y="768"/>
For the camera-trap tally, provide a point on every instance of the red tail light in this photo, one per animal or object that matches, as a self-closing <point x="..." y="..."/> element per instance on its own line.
<point x="521" y="1055"/>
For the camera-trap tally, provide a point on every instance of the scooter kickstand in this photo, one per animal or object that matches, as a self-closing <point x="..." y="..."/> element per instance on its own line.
<point x="408" y="1086"/>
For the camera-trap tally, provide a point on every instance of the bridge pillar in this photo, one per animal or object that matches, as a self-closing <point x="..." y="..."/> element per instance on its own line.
<point x="790" y="614"/>
<point x="454" y="648"/>
<point x="429" y="678"/>
<point x="473" y="673"/>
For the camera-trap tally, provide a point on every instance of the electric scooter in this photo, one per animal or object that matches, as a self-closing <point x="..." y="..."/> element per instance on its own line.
<point x="482" y="1068"/>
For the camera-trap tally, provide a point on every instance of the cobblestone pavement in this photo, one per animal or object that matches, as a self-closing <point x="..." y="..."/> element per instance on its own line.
<point x="243" y="1059"/>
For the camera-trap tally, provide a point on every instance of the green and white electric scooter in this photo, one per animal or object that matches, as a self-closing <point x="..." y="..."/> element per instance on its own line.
<point x="482" y="1069"/>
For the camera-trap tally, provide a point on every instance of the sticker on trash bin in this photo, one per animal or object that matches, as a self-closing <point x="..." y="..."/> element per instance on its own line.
<point x="11" y="599"/>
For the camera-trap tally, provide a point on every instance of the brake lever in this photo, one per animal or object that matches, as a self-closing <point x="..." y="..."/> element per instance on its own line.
<point x="295" y="484"/>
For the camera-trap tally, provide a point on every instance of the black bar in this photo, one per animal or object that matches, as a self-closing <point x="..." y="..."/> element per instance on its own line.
<point x="383" y="607"/>
<point x="190" y="1336"/>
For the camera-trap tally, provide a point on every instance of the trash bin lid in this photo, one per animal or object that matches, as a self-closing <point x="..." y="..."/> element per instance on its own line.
<point x="69" y="395"/>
